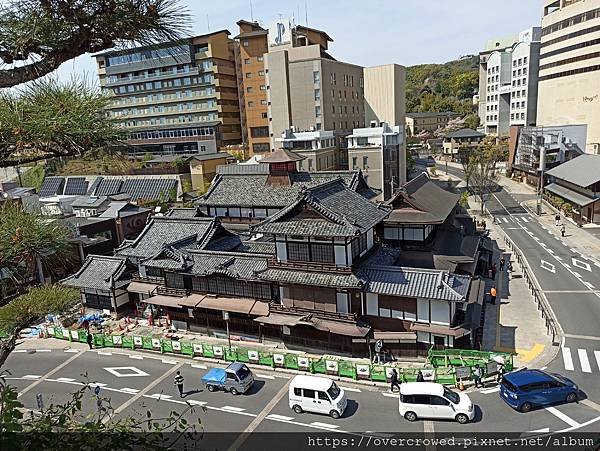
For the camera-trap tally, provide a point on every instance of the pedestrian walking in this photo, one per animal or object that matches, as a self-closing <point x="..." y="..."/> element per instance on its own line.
<point x="557" y="220"/>
<point x="502" y="262"/>
<point x="394" y="381"/>
<point x="510" y="266"/>
<point x="420" y="377"/>
<point x="477" y="375"/>
<point x="500" y="375"/>
<point x="562" y="230"/>
<point x="493" y="294"/>
<point x="494" y="270"/>
<point x="179" y="383"/>
<point x="90" y="339"/>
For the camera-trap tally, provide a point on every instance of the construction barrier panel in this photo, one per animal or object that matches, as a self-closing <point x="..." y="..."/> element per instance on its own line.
<point x="446" y="366"/>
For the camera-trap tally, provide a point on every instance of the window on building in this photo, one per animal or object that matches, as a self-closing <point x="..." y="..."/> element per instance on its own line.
<point x="246" y="60"/>
<point x="249" y="89"/>
<point x="354" y="163"/>
<point x="525" y="60"/>
<point x="261" y="73"/>
<point x="248" y="74"/>
<point x="259" y="132"/>
<point x="317" y="111"/>
<point x="264" y="115"/>
<point x="263" y="87"/>
<point x="260" y="147"/>
<point x="317" y="94"/>
<point x="365" y="162"/>
<point x="263" y="102"/>
<point x="332" y="78"/>
<point x="245" y="43"/>
<point x="316" y="76"/>
<point x="250" y="104"/>
<point x="260" y="58"/>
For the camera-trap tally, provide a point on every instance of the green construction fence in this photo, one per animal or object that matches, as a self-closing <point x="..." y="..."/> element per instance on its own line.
<point x="445" y="367"/>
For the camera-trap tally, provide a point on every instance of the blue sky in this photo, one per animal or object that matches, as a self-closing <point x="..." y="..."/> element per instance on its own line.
<point x="371" y="32"/>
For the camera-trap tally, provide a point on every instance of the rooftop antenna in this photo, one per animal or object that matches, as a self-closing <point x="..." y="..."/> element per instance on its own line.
<point x="251" y="12"/>
<point x="306" y="12"/>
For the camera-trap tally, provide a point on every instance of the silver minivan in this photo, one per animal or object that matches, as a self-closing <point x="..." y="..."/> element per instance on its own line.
<point x="317" y="394"/>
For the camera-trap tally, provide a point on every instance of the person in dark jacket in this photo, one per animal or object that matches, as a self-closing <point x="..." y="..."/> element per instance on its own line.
<point x="179" y="382"/>
<point x="395" y="382"/>
<point x="420" y="377"/>
<point x="90" y="339"/>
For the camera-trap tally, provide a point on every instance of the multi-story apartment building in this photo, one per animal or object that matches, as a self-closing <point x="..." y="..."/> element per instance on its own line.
<point x="511" y="84"/>
<point x="429" y="121"/>
<point x="307" y="88"/>
<point x="317" y="147"/>
<point x="379" y="151"/>
<point x="178" y="98"/>
<point x="385" y="99"/>
<point x="569" y="82"/>
<point x="250" y="51"/>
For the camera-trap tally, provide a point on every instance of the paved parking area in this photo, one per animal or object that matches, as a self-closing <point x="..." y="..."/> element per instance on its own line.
<point x="136" y="382"/>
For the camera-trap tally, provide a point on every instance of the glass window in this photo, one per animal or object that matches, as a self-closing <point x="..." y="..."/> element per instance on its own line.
<point x="316" y="76"/>
<point x="333" y="391"/>
<point x="297" y="391"/>
<point x="323" y="396"/>
<point x="452" y="396"/>
<point x="308" y="393"/>
<point x="439" y="401"/>
<point x="247" y="61"/>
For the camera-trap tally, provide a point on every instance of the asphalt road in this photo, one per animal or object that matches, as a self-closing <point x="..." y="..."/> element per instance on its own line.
<point x="571" y="282"/>
<point x="136" y="382"/>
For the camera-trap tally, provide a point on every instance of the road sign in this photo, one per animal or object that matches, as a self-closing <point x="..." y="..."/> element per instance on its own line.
<point x="40" y="401"/>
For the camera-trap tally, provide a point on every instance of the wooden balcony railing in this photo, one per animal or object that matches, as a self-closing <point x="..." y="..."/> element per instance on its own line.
<point x="310" y="266"/>
<point x="147" y="279"/>
<point x="277" y="307"/>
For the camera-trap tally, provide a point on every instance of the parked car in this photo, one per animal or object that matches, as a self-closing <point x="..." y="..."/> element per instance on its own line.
<point x="433" y="400"/>
<point x="236" y="378"/>
<point x="317" y="394"/>
<point x="525" y="389"/>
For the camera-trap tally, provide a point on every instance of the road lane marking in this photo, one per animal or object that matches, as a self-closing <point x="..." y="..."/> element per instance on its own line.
<point x="64" y="379"/>
<point x="591" y="404"/>
<point x="325" y="425"/>
<point x="561" y="416"/>
<point x="260" y="417"/>
<point x="200" y="367"/>
<point x="582" y="337"/>
<point x="583" y="359"/>
<point x="589" y="285"/>
<point x="145" y="390"/>
<point x="159" y="396"/>
<point x="126" y="371"/>
<point x="50" y="373"/>
<point x="582" y="265"/>
<point x="505" y="220"/>
<point x="136" y="357"/>
<point x="487" y="391"/>
<point x="597" y="356"/>
<point x="576" y="274"/>
<point x="99" y="384"/>
<point x="233" y="409"/>
<point x="274" y="416"/>
<point x="265" y="376"/>
<point x="43" y="350"/>
<point x="170" y="362"/>
<point x="389" y="395"/>
<point x="573" y="250"/>
<point x="104" y="353"/>
<point x="543" y="430"/>
<point x="567" y="359"/>
<point x="129" y="390"/>
<point x="357" y="390"/>
<point x="20" y="351"/>
<point x="524" y="219"/>
<point x="72" y="350"/>
<point x="558" y="258"/>
<point x="195" y="402"/>
<point x="548" y="266"/>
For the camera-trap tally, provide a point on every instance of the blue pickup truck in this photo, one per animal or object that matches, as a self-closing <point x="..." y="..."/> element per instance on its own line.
<point x="236" y="378"/>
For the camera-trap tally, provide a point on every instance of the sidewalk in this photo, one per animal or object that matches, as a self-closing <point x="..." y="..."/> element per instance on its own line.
<point x="514" y="323"/>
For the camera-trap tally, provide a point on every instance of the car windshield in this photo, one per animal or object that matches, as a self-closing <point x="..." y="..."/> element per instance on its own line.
<point x="333" y="391"/>
<point x="509" y="385"/>
<point x="449" y="394"/>
<point x="558" y="378"/>
<point x="243" y="372"/>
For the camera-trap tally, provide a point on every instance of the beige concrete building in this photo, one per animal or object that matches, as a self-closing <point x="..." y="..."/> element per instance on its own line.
<point x="379" y="152"/>
<point x="465" y="137"/>
<point x="385" y="99"/>
<point x="428" y="121"/>
<point x="317" y="147"/>
<point x="307" y="88"/>
<point x="176" y="98"/>
<point x="569" y="78"/>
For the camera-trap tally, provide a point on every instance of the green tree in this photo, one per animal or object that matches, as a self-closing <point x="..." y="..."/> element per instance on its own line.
<point x="28" y="241"/>
<point x="472" y="121"/>
<point x="47" y="119"/>
<point x="484" y="176"/>
<point x="34" y="176"/>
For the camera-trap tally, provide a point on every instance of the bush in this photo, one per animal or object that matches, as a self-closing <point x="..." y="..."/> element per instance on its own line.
<point x="34" y="177"/>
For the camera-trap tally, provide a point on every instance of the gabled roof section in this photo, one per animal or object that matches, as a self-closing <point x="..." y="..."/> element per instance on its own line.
<point x="237" y="265"/>
<point x="331" y="209"/>
<point x="100" y="272"/>
<point x="171" y="256"/>
<point x="415" y="283"/>
<point x="252" y="190"/>
<point x="161" y="230"/>
<point x="465" y="133"/>
<point x="282" y="156"/>
<point x="421" y="201"/>
<point x="183" y="213"/>
<point x="583" y="170"/>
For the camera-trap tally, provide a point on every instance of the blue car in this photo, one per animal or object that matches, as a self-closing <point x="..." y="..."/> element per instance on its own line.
<point x="525" y="389"/>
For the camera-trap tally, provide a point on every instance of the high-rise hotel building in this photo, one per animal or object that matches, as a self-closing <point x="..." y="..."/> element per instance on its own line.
<point x="178" y="98"/>
<point x="569" y="78"/>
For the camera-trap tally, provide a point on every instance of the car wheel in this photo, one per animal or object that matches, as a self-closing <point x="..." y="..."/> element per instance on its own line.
<point x="334" y="414"/>
<point x="572" y="397"/>
<point x="297" y="409"/>
<point x="462" y="418"/>
<point x="211" y="388"/>
<point x="526" y="407"/>
<point x="234" y="391"/>
<point x="410" y="416"/>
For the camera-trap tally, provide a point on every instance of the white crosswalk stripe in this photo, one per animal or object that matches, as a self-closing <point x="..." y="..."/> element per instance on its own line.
<point x="567" y="359"/>
<point x="515" y="219"/>
<point x="524" y="219"/>
<point x="583" y="359"/>
<point x="597" y="355"/>
<point x="505" y="220"/>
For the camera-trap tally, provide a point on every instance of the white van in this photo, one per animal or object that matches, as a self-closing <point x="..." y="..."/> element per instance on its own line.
<point x="318" y="395"/>
<point x="432" y="400"/>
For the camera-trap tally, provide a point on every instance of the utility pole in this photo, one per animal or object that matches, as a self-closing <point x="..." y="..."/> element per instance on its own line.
<point x="542" y="169"/>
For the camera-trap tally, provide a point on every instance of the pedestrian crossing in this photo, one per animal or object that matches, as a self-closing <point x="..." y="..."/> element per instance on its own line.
<point x="513" y="219"/>
<point x="586" y="361"/>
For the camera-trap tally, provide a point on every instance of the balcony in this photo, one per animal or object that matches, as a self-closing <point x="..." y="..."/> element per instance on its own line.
<point x="277" y="307"/>
<point x="160" y="75"/>
<point x="309" y="266"/>
<point x="147" y="279"/>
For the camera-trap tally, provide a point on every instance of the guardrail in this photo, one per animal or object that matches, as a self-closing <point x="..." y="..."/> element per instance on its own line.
<point x="552" y="326"/>
<point x="459" y="363"/>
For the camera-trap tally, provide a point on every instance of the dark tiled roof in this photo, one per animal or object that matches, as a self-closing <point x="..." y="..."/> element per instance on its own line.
<point x="164" y="230"/>
<point x="465" y="133"/>
<point x="415" y="283"/>
<point x="421" y="201"/>
<point x="76" y="186"/>
<point x="323" y="279"/>
<point x="252" y="190"/>
<point x="101" y="273"/>
<point x="182" y="213"/>
<point x="88" y="201"/>
<point x="52" y="186"/>
<point x="232" y="264"/>
<point x="339" y="212"/>
<point x="235" y="243"/>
